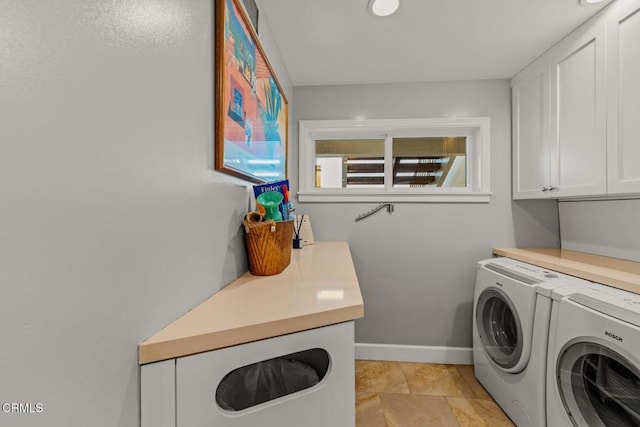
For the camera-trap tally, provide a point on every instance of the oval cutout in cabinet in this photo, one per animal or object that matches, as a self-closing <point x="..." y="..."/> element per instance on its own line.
<point x="267" y="380"/>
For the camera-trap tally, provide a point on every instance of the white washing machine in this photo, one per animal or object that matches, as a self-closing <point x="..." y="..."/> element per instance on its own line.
<point x="510" y="334"/>
<point x="593" y="371"/>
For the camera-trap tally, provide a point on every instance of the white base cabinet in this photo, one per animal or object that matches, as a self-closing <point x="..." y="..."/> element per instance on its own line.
<point x="158" y="394"/>
<point x="182" y="392"/>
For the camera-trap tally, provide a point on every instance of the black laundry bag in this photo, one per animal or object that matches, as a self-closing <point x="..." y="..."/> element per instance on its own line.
<point x="263" y="381"/>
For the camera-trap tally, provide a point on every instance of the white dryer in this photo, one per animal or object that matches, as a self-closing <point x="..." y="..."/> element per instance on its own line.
<point x="510" y="334"/>
<point x="593" y="371"/>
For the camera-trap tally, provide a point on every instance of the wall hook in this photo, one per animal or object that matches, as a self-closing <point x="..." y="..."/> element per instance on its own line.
<point x="389" y="207"/>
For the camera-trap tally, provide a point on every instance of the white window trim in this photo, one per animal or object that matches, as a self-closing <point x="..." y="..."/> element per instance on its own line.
<point x="478" y="159"/>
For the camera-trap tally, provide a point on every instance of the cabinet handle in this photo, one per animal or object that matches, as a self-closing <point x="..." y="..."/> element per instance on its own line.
<point x="552" y="188"/>
<point x="545" y="189"/>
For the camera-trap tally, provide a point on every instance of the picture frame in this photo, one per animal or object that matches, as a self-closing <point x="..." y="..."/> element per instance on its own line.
<point x="251" y="109"/>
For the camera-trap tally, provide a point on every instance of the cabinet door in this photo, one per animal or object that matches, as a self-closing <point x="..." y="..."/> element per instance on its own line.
<point x="623" y="126"/>
<point x="530" y="117"/>
<point x="331" y="402"/>
<point x="578" y="114"/>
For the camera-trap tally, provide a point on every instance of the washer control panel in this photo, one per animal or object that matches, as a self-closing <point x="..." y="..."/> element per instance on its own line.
<point x="534" y="274"/>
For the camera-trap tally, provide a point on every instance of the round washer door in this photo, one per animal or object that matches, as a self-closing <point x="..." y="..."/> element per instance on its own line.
<point x="499" y="328"/>
<point x="598" y="386"/>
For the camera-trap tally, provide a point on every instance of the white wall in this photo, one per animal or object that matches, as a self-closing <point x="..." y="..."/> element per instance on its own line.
<point x="112" y="222"/>
<point x="605" y="227"/>
<point x="416" y="267"/>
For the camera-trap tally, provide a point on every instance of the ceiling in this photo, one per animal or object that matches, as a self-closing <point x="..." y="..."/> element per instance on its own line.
<point x="329" y="42"/>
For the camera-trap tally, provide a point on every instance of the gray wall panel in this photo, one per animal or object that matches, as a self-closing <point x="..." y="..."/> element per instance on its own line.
<point x="416" y="267"/>
<point x="605" y="227"/>
<point x="112" y="221"/>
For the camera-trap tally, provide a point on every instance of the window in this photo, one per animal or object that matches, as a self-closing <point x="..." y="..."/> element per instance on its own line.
<point x="407" y="160"/>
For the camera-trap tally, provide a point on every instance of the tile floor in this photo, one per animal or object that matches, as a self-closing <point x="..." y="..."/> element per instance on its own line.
<point x="402" y="394"/>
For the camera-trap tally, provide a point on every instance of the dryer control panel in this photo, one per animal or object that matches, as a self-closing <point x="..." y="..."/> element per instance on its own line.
<point x="613" y="302"/>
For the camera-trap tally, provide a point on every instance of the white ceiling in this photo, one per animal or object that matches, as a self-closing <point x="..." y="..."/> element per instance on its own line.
<point x="327" y="42"/>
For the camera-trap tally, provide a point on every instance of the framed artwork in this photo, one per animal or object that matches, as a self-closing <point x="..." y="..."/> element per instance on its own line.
<point x="251" y="110"/>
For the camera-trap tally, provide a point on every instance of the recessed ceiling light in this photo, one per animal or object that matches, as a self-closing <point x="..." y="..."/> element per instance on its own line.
<point x="589" y="2"/>
<point x="383" y="7"/>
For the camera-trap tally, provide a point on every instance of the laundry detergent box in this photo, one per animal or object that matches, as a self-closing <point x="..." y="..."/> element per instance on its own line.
<point x="286" y="207"/>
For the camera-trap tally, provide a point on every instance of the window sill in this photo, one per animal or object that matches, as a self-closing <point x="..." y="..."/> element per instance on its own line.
<point x="340" y="196"/>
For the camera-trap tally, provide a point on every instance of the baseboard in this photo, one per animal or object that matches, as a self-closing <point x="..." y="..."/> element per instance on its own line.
<point x="415" y="353"/>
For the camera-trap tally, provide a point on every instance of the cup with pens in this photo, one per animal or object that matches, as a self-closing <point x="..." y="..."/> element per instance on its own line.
<point x="297" y="241"/>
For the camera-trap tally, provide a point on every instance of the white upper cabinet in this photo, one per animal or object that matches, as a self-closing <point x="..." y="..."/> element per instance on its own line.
<point x="623" y="90"/>
<point x="576" y="112"/>
<point x="559" y="120"/>
<point x="530" y="110"/>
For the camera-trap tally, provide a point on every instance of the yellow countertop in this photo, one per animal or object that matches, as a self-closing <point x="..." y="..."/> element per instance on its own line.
<point x="318" y="288"/>
<point x="614" y="272"/>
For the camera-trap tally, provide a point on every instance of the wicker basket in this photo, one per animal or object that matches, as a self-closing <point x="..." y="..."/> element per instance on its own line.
<point x="268" y="246"/>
